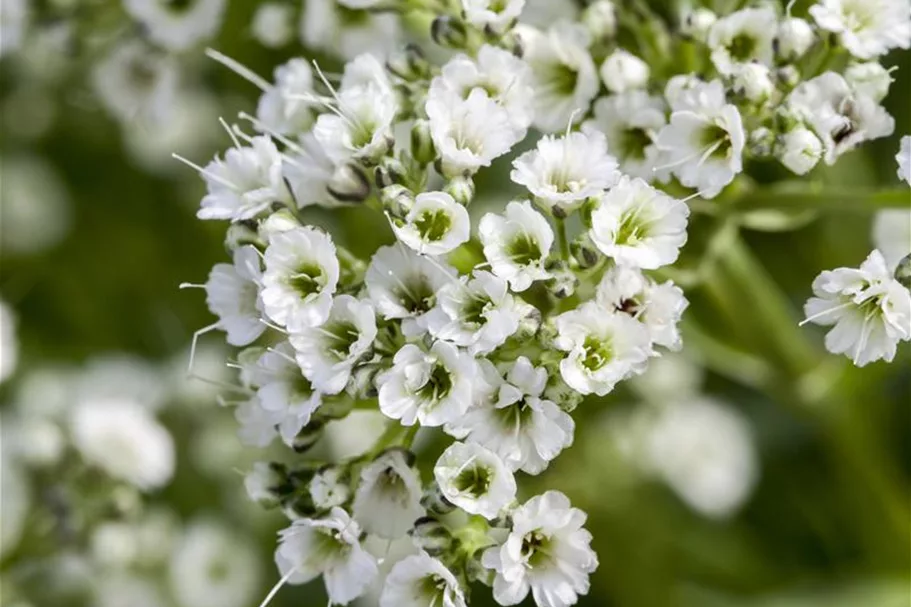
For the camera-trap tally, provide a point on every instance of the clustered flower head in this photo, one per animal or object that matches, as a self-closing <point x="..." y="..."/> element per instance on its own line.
<point x="488" y="332"/>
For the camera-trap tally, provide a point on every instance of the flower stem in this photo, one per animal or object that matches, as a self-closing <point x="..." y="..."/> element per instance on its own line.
<point x="562" y="238"/>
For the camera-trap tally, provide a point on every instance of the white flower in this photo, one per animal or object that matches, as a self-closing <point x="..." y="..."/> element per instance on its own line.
<point x="388" y="498"/>
<point x="602" y="349"/>
<point x="523" y="429"/>
<point x="564" y="77"/>
<point x="232" y="294"/>
<point x="273" y="24"/>
<point x="867" y="28"/>
<point x="260" y="484"/>
<point x="435" y="224"/>
<point x="564" y="171"/>
<point x="517" y="244"/>
<point x="871" y="310"/>
<point x="327" y="546"/>
<point x="470" y="133"/>
<point x="258" y="427"/>
<point x="177" y="26"/>
<point x="361" y="128"/>
<point x="505" y="78"/>
<point x="327" y="353"/>
<point x="245" y="183"/>
<point x="742" y="37"/>
<point x="284" y="391"/>
<point x="213" y="567"/>
<point x="315" y="178"/>
<point x="477" y="313"/>
<point x="697" y="23"/>
<point x="623" y="71"/>
<point x="9" y="342"/>
<point x="495" y="15"/>
<point x="840" y="118"/>
<point x="704" y="140"/>
<point x="600" y="17"/>
<point x="892" y="234"/>
<point x="35" y="205"/>
<point x="419" y="580"/>
<point x="329" y="26"/>
<point x="134" y="83"/>
<point x="475" y="479"/>
<point x="795" y="37"/>
<point x="657" y="306"/>
<point x="631" y="122"/>
<point x="329" y="487"/>
<point x="14" y="16"/>
<point x="752" y="81"/>
<point x="300" y="278"/>
<point x="903" y="158"/>
<point x="403" y="285"/>
<point x="431" y="388"/>
<point x="286" y="107"/>
<point x="547" y="551"/>
<point x="800" y="150"/>
<point x="869" y="79"/>
<point x="124" y="439"/>
<point x="637" y="225"/>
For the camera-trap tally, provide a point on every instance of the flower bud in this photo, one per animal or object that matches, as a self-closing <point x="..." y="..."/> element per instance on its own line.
<point x="600" y="20"/>
<point x="276" y="223"/>
<point x="623" y="71"/>
<point x="761" y="141"/>
<point x="584" y="251"/>
<point x="903" y="272"/>
<point x="431" y="536"/>
<point x="795" y="37"/>
<point x="461" y="189"/>
<point x="559" y="393"/>
<point x="397" y="199"/>
<point x="409" y="64"/>
<point x="563" y="282"/>
<point x="449" y="32"/>
<point x="753" y="82"/>
<point x="422" y="148"/>
<point x="697" y="23"/>
<point x="390" y="172"/>
<point x="800" y="150"/>
<point x="361" y="384"/>
<point x="240" y="234"/>
<point x="869" y="80"/>
<point x="788" y="75"/>
<point x="349" y="184"/>
<point x="529" y="323"/>
<point x="266" y="483"/>
<point x="329" y="487"/>
<point x="435" y="502"/>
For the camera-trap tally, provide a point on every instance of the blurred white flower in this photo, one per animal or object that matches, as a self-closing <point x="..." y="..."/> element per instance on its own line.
<point x="419" y="580"/>
<point x="329" y="26"/>
<point x="867" y="28"/>
<point x="34" y="205"/>
<point x="794" y="39"/>
<point x="14" y="16"/>
<point x="178" y="26"/>
<point x="136" y="83"/>
<point x="388" y="497"/>
<point x="741" y="37"/>
<point x="622" y="71"/>
<point x="869" y="79"/>
<point x="273" y="24"/>
<point x="127" y="590"/>
<point x="286" y="107"/>
<point x="800" y="150"/>
<point x="9" y="342"/>
<point x="123" y="439"/>
<point x="329" y="487"/>
<point x="495" y="15"/>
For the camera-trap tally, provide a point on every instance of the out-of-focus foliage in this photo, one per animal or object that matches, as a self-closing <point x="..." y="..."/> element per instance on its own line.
<point x="98" y="231"/>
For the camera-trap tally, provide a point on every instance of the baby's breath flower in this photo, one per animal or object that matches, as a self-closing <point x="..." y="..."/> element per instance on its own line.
<point x="622" y="71"/>
<point x="420" y="580"/>
<point x="631" y="122"/>
<point x="475" y="479"/>
<point x="867" y="28"/>
<point x="388" y="498"/>
<point x="232" y="294"/>
<point x="742" y="37"/>
<point x="435" y="224"/>
<point x="517" y="244"/>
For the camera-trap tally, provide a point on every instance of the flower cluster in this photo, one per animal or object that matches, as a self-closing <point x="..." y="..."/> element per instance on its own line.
<point x="493" y="331"/>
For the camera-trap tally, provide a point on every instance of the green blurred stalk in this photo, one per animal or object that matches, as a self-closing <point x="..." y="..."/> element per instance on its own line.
<point x="802" y="196"/>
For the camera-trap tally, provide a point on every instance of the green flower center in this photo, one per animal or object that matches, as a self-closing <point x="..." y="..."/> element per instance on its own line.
<point x="562" y="79"/>
<point x="417" y="296"/>
<point x="742" y="47"/>
<point x="473" y="480"/>
<point x="597" y="353"/>
<point x="474" y="309"/>
<point x="535" y="548"/>
<point x="308" y="280"/>
<point x="717" y="139"/>
<point x="438" y="385"/>
<point x="339" y="338"/>
<point x="433" y="225"/>
<point x="633" y="142"/>
<point x="523" y="250"/>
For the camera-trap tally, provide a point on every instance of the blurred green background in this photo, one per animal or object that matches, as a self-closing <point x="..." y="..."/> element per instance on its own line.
<point x="827" y="522"/>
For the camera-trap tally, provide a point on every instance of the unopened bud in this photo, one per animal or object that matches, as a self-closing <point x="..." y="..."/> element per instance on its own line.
<point x="795" y="37"/>
<point x="584" y="252"/>
<point x="241" y="234"/>
<point x="697" y="23"/>
<point x="267" y="483"/>
<point x="559" y="393"/>
<point x="461" y="189"/>
<point x="600" y="20"/>
<point x="449" y="32"/>
<point x="800" y="150"/>
<point x="435" y="502"/>
<point x="349" y="184"/>
<point x="753" y="81"/>
<point x="563" y="282"/>
<point x="422" y="148"/>
<point x="761" y="141"/>
<point x="276" y="223"/>
<point x="397" y="199"/>
<point x="903" y="272"/>
<point x="389" y="172"/>
<point x="409" y="64"/>
<point x="788" y="75"/>
<point x="529" y="323"/>
<point x="622" y="71"/>
<point x="431" y="536"/>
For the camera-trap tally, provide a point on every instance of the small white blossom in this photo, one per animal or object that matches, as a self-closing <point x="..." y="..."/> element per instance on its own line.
<point x="871" y="310"/>
<point x="903" y="158"/>
<point x="419" y="580"/>
<point x="123" y="438"/>
<point x="388" y="498"/>
<point x="602" y="349"/>
<point x="284" y="391"/>
<point x="273" y="24"/>
<point x="477" y="313"/>
<point x="525" y="430"/>
<point x="177" y="26"/>
<point x="752" y="81"/>
<point x="300" y="278"/>
<point x="516" y="244"/>
<point x="658" y="306"/>
<point x="704" y="140"/>
<point x="258" y="427"/>
<point x="135" y="83"/>
<point x="435" y="224"/>
<point x="327" y="353"/>
<point x="840" y="118"/>
<point x="631" y="122"/>
<point x="564" y="171"/>
<point x="329" y="26"/>
<point x="470" y="133"/>
<point x="315" y="178"/>
<point x="741" y="37"/>
<point x="869" y="79"/>
<point x="287" y="107"/>
<point x="260" y="484"/>
<point x="329" y="488"/>
<point x="564" y="76"/>
<point x="892" y="235"/>
<point x="547" y="552"/>
<point x="14" y="17"/>
<point x="600" y="18"/>
<point x="795" y="37"/>
<point x="800" y="150"/>
<point x="232" y="294"/>
<point x="495" y="15"/>
<point x="245" y="183"/>
<point x="430" y="388"/>
<point x="475" y="479"/>
<point x="698" y="22"/>
<point x="637" y="225"/>
<point x="622" y="71"/>
<point x="867" y="28"/>
<point x="329" y="547"/>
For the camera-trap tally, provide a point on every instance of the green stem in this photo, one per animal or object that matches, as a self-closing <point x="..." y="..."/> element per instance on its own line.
<point x="562" y="238"/>
<point x="800" y="196"/>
